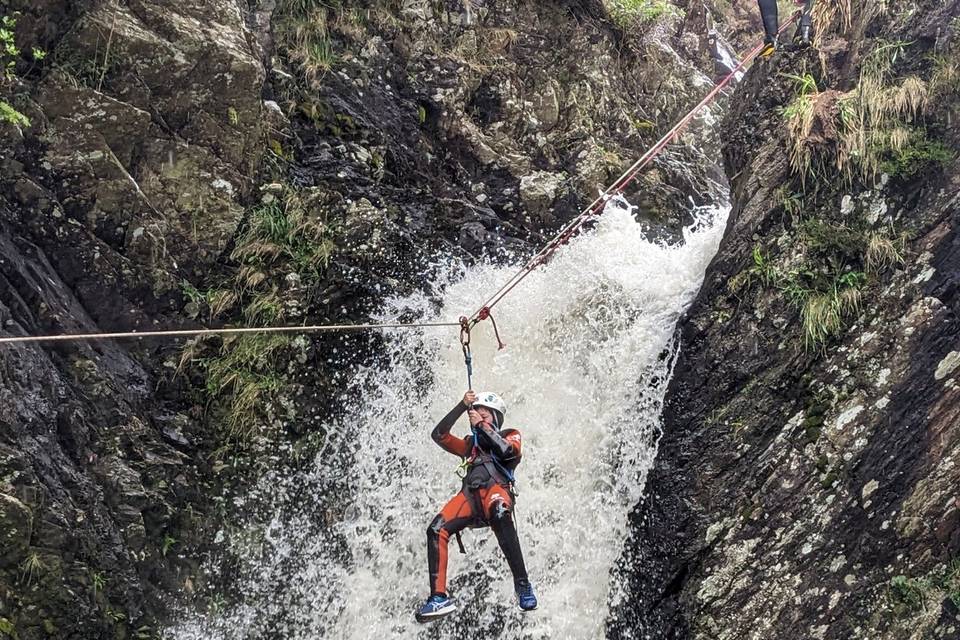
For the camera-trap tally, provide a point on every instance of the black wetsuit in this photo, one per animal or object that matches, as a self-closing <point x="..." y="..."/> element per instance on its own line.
<point x="771" y="20"/>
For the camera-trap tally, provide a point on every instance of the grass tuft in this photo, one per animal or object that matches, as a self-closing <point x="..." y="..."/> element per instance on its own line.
<point x="241" y="380"/>
<point x="633" y="13"/>
<point x="875" y="128"/>
<point x="883" y="252"/>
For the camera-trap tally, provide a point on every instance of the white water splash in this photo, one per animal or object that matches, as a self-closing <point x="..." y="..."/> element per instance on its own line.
<point x="590" y="346"/>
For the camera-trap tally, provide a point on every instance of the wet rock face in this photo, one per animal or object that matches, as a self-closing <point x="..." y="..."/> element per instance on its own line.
<point x="452" y="127"/>
<point x="146" y="129"/>
<point x="810" y="492"/>
<point x="513" y="114"/>
<point x="152" y="120"/>
<point x="89" y="485"/>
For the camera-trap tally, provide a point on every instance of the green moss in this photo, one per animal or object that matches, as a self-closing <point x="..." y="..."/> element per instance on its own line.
<point x="822" y="463"/>
<point x="328" y="121"/>
<point x="629" y="13"/>
<point x="921" y="155"/>
<point x="826" y="238"/>
<point x="811" y="431"/>
<point x="907" y="595"/>
<point x="11" y="116"/>
<point x="7" y="630"/>
<point x="827" y="480"/>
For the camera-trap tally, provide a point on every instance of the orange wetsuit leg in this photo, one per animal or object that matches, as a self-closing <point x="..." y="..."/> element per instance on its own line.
<point x="455" y="515"/>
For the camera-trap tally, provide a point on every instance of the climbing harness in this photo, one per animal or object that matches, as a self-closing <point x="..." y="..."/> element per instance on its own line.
<point x="498" y="475"/>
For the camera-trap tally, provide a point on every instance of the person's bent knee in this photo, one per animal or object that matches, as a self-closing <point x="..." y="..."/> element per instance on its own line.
<point x="500" y="511"/>
<point x="436" y="526"/>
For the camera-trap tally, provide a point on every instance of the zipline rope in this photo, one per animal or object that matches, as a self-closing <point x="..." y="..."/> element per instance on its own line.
<point x="484" y="312"/>
<point x="596" y="207"/>
<point x="225" y="331"/>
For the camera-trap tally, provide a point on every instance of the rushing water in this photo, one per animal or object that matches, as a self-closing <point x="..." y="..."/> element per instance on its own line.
<point x="589" y="350"/>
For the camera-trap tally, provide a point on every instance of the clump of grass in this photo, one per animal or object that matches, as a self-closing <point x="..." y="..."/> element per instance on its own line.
<point x="883" y="252"/>
<point x="823" y="313"/>
<point x="265" y="308"/>
<point x="215" y="301"/>
<point x="791" y="201"/>
<point x="877" y="114"/>
<point x="874" y="128"/>
<point x="242" y="380"/>
<point x="306" y="29"/>
<point x="836" y="16"/>
<point x="762" y="270"/>
<point x="630" y="13"/>
<point x="283" y="229"/>
<point x="763" y="267"/>
<point x="945" y="79"/>
<point x="31" y="568"/>
<point x="825" y="287"/>
<point x="800" y="116"/>
<point x="303" y="9"/>
<point x="317" y="56"/>
<point x="914" y="153"/>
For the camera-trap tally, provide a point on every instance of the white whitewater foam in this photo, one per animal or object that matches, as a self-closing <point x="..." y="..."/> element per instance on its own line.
<point x="589" y="351"/>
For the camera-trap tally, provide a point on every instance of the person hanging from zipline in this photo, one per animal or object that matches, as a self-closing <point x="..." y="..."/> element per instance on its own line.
<point x="490" y="455"/>
<point x="771" y="25"/>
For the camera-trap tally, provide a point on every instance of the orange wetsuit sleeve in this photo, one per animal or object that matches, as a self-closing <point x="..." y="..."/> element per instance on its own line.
<point x="442" y="436"/>
<point x="512" y="436"/>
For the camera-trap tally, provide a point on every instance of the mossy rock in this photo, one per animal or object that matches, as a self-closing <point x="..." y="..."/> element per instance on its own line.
<point x="8" y="630"/>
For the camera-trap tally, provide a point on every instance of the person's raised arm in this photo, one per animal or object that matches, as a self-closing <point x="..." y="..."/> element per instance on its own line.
<point x="441" y="433"/>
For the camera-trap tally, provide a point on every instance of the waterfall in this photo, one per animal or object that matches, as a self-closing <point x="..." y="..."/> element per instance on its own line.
<point x="590" y="345"/>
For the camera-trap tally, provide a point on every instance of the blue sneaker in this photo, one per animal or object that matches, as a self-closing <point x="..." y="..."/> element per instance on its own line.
<point x="528" y="601"/>
<point x="436" y="607"/>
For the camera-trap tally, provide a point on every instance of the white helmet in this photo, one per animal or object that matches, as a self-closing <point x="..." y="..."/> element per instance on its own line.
<point x="493" y="402"/>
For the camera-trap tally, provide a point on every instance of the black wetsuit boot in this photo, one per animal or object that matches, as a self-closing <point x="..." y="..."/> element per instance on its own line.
<point x="805" y="30"/>
<point x="771" y="20"/>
